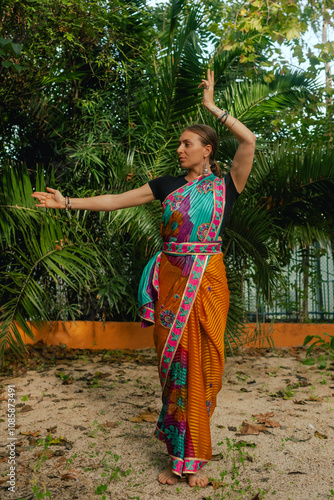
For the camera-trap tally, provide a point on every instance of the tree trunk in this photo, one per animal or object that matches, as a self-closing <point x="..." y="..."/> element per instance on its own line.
<point x="329" y="79"/>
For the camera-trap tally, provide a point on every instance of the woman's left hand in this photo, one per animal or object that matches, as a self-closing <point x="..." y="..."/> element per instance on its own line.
<point x="208" y="88"/>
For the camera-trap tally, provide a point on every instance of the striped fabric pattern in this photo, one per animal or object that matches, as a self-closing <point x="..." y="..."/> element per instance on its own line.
<point x="184" y="292"/>
<point x="194" y="380"/>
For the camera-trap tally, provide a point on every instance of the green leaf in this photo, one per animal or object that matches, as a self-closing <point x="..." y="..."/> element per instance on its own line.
<point x="4" y="41"/>
<point x="308" y="339"/>
<point x="309" y="361"/>
<point x="16" y="48"/>
<point x="18" y="67"/>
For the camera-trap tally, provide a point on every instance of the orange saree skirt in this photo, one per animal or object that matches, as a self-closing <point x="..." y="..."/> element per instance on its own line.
<point x="195" y="375"/>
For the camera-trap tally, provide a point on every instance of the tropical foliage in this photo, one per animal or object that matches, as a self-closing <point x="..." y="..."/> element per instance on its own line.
<point x="95" y="98"/>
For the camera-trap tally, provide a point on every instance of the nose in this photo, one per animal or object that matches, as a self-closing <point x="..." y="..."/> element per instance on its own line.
<point x="179" y="149"/>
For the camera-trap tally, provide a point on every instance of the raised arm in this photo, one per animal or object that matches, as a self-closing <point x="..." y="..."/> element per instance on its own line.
<point x="105" y="202"/>
<point x="243" y="159"/>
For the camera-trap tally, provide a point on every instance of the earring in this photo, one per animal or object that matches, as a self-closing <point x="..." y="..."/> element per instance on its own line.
<point x="205" y="170"/>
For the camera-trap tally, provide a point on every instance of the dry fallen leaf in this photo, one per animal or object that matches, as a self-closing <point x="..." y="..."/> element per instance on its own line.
<point x="146" y="416"/>
<point x="72" y="474"/>
<point x="265" y="419"/>
<point x="26" y="408"/>
<point x="30" y="433"/>
<point x="110" y="425"/>
<point x="216" y="484"/>
<point x="250" y="429"/>
<point x="46" y="453"/>
<point x="319" y="435"/>
<point x="264" y="415"/>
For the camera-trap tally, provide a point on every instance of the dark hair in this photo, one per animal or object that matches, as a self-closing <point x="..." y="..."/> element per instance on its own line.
<point x="208" y="136"/>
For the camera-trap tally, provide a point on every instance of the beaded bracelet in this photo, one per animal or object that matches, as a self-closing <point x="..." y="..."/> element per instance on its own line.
<point x="68" y="205"/>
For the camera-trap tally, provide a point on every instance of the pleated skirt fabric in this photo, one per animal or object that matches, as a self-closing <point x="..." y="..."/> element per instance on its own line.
<point x="195" y="375"/>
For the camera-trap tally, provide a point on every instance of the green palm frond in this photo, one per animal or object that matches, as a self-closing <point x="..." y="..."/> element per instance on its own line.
<point x="254" y="102"/>
<point x="294" y="181"/>
<point x="252" y="234"/>
<point x="23" y="284"/>
<point x="142" y="224"/>
<point x="37" y="250"/>
<point x="171" y="91"/>
<point x="17" y="207"/>
<point x="294" y="186"/>
<point x="235" y="331"/>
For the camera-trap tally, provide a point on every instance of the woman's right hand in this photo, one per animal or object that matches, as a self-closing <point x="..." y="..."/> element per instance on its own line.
<point x="208" y="90"/>
<point x="52" y="199"/>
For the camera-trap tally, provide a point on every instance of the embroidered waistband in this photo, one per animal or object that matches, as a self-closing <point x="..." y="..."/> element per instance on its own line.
<point x="192" y="248"/>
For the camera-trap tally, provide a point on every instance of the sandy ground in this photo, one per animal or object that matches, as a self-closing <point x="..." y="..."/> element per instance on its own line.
<point x="84" y="425"/>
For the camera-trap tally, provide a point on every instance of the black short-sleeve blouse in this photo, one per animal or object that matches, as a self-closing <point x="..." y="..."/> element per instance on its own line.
<point x="162" y="186"/>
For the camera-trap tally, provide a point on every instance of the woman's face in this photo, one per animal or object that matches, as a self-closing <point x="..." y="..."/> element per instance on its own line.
<point x="191" y="151"/>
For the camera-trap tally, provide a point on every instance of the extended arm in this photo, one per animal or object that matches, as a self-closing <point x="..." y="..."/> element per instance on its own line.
<point x="105" y="202"/>
<point x="243" y="159"/>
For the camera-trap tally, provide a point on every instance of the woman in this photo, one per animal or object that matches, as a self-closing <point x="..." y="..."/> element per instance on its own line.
<point x="183" y="289"/>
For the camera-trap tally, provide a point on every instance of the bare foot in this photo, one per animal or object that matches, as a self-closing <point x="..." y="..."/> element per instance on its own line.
<point x="199" y="479"/>
<point x="167" y="476"/>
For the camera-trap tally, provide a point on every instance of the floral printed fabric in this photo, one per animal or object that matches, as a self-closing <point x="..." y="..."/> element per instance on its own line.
<point x="205" y="187"/>
<point x="172" y="420"/>
<point x="166" y="318"/>
<point x="191" y="219"/>
<point x="203" y="231"/>
<point x="172" y="424"/>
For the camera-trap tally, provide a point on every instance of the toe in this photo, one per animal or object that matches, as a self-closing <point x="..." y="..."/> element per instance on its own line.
<point x="162" y="478"/>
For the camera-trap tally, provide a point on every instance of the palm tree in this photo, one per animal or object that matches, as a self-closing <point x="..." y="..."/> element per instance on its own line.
<point x="121" y="150"/>
<point x="39" y="258"/>
<point x="167" y="101"/>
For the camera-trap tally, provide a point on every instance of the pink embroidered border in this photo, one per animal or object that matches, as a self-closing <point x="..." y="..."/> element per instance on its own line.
<point x="193" y="283"/>
<point x="171" y="197"/>
<point x="156" y="273"/>
<point x="192" y="248"/>
<point x="181" y="466"/>
<point x="180" y="322"/>
<point x="146" y="313"/>
<point x="186" y="466"/>
<point x="219" y="206"/>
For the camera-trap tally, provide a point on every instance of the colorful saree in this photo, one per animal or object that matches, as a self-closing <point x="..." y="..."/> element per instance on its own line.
<point x="183" y="291"/>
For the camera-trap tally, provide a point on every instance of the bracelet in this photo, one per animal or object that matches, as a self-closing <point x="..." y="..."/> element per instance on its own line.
<point x="222" y="116"/>
<point x="232" y="124"/>
<point x="68" y="205"/>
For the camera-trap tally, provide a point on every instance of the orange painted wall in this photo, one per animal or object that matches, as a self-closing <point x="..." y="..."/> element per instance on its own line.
<point x="292" y="334"/>
<point x="113" y="335"/>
